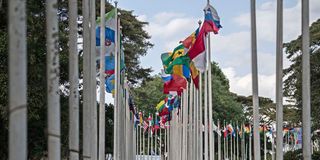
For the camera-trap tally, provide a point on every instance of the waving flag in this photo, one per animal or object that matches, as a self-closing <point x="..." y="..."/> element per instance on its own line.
<point x="110" y="84"/>
<point x="176" y="84"/>
<point x="189" y="41"/>
<point x="140" y="118"/>
<point x="145" y="126"/>
<point x="197" y="51"/>
<point x="109" y="32"/>
<point x="165" y="77"/>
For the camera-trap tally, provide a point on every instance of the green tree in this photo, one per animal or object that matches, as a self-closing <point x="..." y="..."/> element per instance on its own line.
<point x="293" y="74"/>
<point x="136" y="43"/>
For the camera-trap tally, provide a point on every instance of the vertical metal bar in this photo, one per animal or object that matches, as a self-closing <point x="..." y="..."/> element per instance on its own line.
<point x="210" y="101"/>
<point x="219" y="142"/>
<point x="93" y="83"/>
<point x="101" y="154"/>
<point x="201" y="116"/>
<point x="116" y="93"/>
<point x="53" y="80"/>
<point x="87" y="143"/>
<point x="306" y="106"/>
<point x="17" y="80"/>
<point x="206" y="138"/>
<point x="74" y="82"/>
<point x="255" y="98"/>
<point x="190" y="144"/>
<point x="265" y="143"/>
<point x="279" y="75"/>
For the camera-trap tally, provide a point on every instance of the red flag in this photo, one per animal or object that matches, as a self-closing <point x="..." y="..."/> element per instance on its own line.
<point x="177" y="84"/>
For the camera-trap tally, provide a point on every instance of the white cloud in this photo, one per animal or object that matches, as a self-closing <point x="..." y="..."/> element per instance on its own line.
<point x="266" y="20"/>
<point x="242" y="85"/>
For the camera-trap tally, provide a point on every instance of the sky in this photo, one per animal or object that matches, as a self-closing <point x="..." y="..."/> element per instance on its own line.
<point x="172" y="20"/>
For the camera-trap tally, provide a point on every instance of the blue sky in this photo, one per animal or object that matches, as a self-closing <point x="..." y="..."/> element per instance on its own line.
<point x="172" y="20"/>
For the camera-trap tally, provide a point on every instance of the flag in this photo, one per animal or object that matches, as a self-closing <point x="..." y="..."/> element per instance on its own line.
<point x="110" y="84"/>
<point x="197" y="51"/>
<point x="165" y="77"/>
<point x="189" y="41"/>
<point x="141" y="117"/>
<point x="194" y="74"/>
<point x="160" y="106"/>
<point x="176" y="84"/>
<point x="145" y="126"/>
<point x="212" y="20"/>
<point x="110" y="64"/>
<point x="109" y="32"/>
<point x="179" y="66"/>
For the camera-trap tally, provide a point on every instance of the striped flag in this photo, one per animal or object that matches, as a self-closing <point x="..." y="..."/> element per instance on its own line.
<point x="145" y="126"/>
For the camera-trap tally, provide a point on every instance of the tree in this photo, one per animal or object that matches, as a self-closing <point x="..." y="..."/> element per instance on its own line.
<point x="225" y="106"/>
<point x="136" y="43"/>
<point x="293" y="74"/>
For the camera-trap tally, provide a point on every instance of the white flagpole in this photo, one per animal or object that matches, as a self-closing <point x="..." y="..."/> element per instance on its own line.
<point x="219" y="141"/>
<point x="265" y="143"/>
<point x="185" y="125"/>
<point x="93" y="85"/>
<point x="250" y="145"/>
<point x="53" y="97"/>
<point x="87" y="135"/>
<point x="74" y="82"/>
<point x="116" y="133"/>
<point x="190" y="144"/>
<point x="165" y="143"/>
<point x="272" y="146"/>
<point x="194" y="123"/>
<point x="143" y="144"/>
<point x="201" y="116"/>
<point x="17" y="80"/>
<point x="255" y="98"/>
<point x="102" y="83"/>
<point x="306" y="108"/>
<point x="279" y="75"/>
<point x="155" y="143"/>
<point x="160" y="152"/>
<point x="237" y="135"/>
<point x="152" y="137"/>
<point x="231" y="146"/>
<point x="206" y="138"/>
<point x="211" y="141"/>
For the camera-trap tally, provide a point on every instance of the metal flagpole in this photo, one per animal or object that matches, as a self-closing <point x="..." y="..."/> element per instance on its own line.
<point x="53" y="77"/>
<point x="219" y="141"/>
<point x="206" y="138"/>
<point x="250" y="145"/>
<point x="197" y="125"/>
<point x="194" y="123"/>
<point x="231" y="145"/>
<point x="155" y="143"/>
<point x="102" y="83"/>
<point x="87" y="147"/>
<point x="306" y="109"/>
<point x="116" y="93"/>
<point x="237" y="135"/>
<point x="190" y="145"/>
<point x="165" y="143"/>
<point x="255" y="98"/>
<point x="17" y="80"/>
<point x="148" y="150"/>
<point x="93" y="87"/>
<point x="265" y="143"/>
<point x="201" y="116"/>
<point x="160" y="152"/>
<point x="143" y="144"/>
<point x="279" y="75"/>
<point x="185" y="125"/>
<point x="74" y="82"/>
<point x="272" y="146"/>
<point x="211" y="144"/>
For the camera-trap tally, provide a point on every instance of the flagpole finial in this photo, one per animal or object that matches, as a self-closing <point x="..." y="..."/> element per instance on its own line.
<point x="208" y="1"/>
<point x="116" y="3"/>
<point x="199" y="22"/>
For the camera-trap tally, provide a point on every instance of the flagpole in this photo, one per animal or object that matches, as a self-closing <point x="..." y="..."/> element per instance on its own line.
<point x="250" y="144"/>
<point x="190" y="145"/>
<point x="211" y="145"/>
<point x="306" y="109"/>
<point x="279" y="75"/>
<point x="231" y="145"/>
<point x="165" y="142"/>
<point x="194" y="124"/>
<point x="53" y="97"/>
<point x="237" y="135"/>
<point x="255" y="98"/>
<point x="185" y="121"/>
<point x="93" y="87"/>
<point x="206" y="138"/>
<point x="18" y="122"/>
<point x="265" y="143"/>
<point x="102" y="84"/>
<point x="143" y="143"/>
<point x="74" y="83"/>
<point x="201" y="116"/>
<point x="272" y="145"/>
<point x="219" y="141"/>
<point x="151" y="138"/>
<point x="160" y="153"/>
<point x="116" y="93"/>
